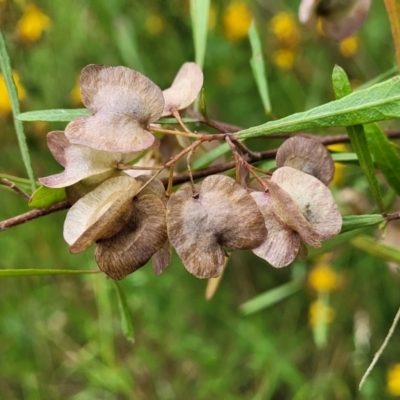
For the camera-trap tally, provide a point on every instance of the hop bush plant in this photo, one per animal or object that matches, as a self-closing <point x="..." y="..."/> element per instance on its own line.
<point x="137" y="188"/>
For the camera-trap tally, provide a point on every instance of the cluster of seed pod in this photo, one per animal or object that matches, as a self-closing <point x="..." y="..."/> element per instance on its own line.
<point x="132" y="219"/>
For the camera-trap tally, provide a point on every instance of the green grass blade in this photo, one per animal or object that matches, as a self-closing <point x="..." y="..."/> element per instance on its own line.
<point x="6" y="273"/>
<point x="199" y="14"/>
<point x="271" y="297"/>
<point x="374" y="248"/>
<point x="377" y="103"/>
<point x="211" y="156"/>
<point x="125" y="314"/>
<point x="342" y="88"/>
<point x="63" y="115"/>
<point x="258" y="67"/>
<point x="385" y="155"/>
<point x="5" y="67"/>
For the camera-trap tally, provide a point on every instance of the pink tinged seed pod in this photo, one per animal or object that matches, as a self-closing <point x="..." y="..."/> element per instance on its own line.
<point x="298" y="207"/>
<point x="81" y="162"/>
<point x="340" y="18"/>
<point x="184" y="89"/>
<point x="200" y="225"/>
<point x="313" y="199"/>
<point x="282" y="244"/>
<point x="123" y="103"/>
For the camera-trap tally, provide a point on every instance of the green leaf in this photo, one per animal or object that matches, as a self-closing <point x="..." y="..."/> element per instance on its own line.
<point x="199" y="14"/>
<point x="377" y="103"/>
<point x="386" y="157"/>
<point x="45" y="197"/>
<point x="342" y="87"/>
<point x="345" y="157"/>
<point x="53" y="115"/>
<point x="258" y="67"/>
<point x="6" y="273"/>
<point x="271" y="297"/>
<point x="352" y="222"/>
<point x="5" y="67"/>
<point x="125" y="314"/>
<point x="376" y="249"/>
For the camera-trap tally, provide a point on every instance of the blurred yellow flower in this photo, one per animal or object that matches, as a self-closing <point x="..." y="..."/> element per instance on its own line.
<point x="237" y="19"/>
<point x="32" y="24"/>
<point x="284" y="58"/>
<point x="319" y="312"/>
<point x="323" y="279"/>
<point x="5" y="104"/>
<point x="155" y="23"/>
<point x="393" y="380"/>
<point x="283" y="25"/>
<point x="339" y="177"/>
<point x="349" y="46"/>
<point x="75" y="95"/>
<point x="212" y="17"/>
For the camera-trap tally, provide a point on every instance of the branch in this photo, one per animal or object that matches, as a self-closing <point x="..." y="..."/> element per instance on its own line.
<point x="30" y="215"/>
<point x="182" y="178"/>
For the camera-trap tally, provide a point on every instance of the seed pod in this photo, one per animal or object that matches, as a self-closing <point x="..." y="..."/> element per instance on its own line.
<point x="123" y="103"/>
<point x="141" y="237"/>
<point x="200" y="225"/>
<point x="101" y="213"/>
<point x="184" y="89"/>
<point x="307" y="155"/>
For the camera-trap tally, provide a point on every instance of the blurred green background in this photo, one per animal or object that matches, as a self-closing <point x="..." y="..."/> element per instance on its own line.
<point x="61" y="337"/>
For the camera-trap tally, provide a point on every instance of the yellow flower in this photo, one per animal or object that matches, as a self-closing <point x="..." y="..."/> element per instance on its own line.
<point x="339" y="177"/>
<point x="319" y="312"/>
<point x="349" y="46"/>
<point x="75" y="95"/>
<point x="284" y="58"/>
<point x="284" y="27"/>
<point x="212" y="17"/>
<point x="237" y="19"/>
<point x="155" y="23"/>
<point x="393" y="380"/>
<point x="32" y="24"/>
<point x="323" y="279"/>
<point x="5" y="105"/>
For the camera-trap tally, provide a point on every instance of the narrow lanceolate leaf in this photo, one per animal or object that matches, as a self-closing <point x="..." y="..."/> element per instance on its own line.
<point x="377" y="103"/>
<point x="5" y="67"/>
<point x="5" y="273"/>
<point x="352" y="222"/>
<point x="125" y="314"/>
<point x="376" y="249"/>
<point x="385" y="155"/>
<point x="258" y="67"/>
<point x="45" y="197"/>
<point x="271" y="297"/>
<point x="199" y="14"/>
<point x="63" y="115"/>
<point x="342" y="88"/>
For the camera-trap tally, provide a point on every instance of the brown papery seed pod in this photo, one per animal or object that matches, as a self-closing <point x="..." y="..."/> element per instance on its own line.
<point x="142" y="236"/>
<point x="221" y="214"/>
<point x="101" y="213"/>
<point x="307" y="155"/>
<point x="313" y="199"/>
